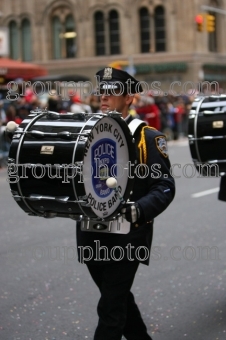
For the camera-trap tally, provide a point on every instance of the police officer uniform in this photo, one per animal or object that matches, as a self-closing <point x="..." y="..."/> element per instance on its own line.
<point x="117" y="310"/>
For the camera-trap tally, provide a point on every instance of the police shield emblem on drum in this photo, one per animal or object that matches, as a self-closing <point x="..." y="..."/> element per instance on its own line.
<point x="106" y="156"/>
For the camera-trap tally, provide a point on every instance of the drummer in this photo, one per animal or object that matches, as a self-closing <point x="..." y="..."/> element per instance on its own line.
<point x="222" y="191"/>
<point x="117" y="310"/>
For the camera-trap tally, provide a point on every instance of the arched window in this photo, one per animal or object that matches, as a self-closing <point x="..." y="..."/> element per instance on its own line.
<point x="144" y="30"/>
<point x="99" y="33"/>
<point x="56" y="31"/>
<point x="26" y="40"/>
<point x="13" y="40"/>
<point x="70" y="36"/>
<point x="160" y="34"/>
<point x="114" y="33"/>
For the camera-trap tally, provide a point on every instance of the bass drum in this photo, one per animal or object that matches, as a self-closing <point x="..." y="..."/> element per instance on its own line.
<point x="58" y="164"/>
<point x="207" y="135"/>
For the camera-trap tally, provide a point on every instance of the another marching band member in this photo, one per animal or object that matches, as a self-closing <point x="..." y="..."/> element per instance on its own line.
<point x="118" y="313"/>
<point x="222" y="192"/>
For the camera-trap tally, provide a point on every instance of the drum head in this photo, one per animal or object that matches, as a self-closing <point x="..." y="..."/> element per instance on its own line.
<point x="108" y="153"/>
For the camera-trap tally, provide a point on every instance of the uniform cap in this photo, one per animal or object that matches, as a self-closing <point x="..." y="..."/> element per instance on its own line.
<point x="112" y="78"/>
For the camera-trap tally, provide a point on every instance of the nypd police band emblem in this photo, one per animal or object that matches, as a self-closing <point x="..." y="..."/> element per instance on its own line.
<point x="162" y="145"/>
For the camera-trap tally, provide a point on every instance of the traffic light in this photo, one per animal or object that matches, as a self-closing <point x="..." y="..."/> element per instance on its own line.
<point x="199" y="19"/>
<point x="210" y="23"/>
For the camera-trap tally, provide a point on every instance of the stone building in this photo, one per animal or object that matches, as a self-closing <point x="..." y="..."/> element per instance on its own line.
<point x="158" y="40"/>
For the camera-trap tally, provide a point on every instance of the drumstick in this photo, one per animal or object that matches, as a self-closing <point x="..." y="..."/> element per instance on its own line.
<point x="111" y="182"/>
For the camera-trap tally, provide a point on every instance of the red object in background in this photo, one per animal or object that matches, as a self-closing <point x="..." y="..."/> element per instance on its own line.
<point x="13" y="69"/>
<point x="150" y="114"/>
<point x="29" y="96"/>
<point x="179" y="111"/>
<point x="76" y="99"/>
<point x="16" y="119"/>
<point x="199" y="19"/>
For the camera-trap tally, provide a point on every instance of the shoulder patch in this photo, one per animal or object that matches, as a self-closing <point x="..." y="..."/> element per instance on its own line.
<point x="161" y="145"/>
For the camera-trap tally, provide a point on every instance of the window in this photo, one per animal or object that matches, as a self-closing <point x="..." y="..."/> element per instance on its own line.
<point x="107" y="33"/>
<point x="114" y="32"/>
<point x="144" y="30"/>
<point x="64" y="36"/>
<point x="56" y="27"/>
<point x="26" y="40"/>
<point x="99" y="33"/>
<point x="14" y="40"/>
<point x="160" y="35"/>
<point x="70" y="36"/>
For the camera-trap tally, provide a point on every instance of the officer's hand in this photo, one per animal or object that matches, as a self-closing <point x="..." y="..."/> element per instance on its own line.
<point x="131" y="212"/>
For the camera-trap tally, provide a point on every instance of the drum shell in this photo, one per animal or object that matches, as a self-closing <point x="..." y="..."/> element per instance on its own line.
<point x="44" y="195"/>
<point x="207" y="134"/>
<point x="31" y="164"/>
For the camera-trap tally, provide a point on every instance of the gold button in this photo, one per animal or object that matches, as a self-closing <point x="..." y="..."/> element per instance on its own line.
<point x="136" y="225"/>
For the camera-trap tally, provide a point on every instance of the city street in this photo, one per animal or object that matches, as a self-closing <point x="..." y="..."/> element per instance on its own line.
<point x="45" y="294"/>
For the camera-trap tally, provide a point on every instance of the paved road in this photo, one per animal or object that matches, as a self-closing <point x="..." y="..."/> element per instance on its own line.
<point x="45" y="294"/>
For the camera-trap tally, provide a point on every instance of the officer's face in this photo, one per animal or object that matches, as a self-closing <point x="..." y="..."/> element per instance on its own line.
<point x="111" y="101"/>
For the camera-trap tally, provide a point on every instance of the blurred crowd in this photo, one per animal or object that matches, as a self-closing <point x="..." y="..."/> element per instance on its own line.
<point x="168" y="114"/>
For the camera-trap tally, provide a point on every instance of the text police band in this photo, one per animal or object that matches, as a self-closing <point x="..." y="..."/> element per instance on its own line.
<point x="103" y="206"/>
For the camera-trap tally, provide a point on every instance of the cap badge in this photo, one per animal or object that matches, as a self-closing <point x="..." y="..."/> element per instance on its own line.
<point x="107" y="73"/>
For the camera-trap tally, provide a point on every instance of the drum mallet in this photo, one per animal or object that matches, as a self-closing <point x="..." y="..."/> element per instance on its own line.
<point x="11" y="126"/>
<point x="111" y="182"/>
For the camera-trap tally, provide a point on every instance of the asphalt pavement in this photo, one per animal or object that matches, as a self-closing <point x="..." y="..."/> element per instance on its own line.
<point x="45" y="294"/>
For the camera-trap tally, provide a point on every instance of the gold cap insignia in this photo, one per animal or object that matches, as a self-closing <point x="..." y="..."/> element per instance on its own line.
<point x="107" y="73"/>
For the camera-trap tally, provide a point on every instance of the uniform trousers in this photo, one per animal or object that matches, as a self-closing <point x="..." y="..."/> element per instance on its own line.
<point x="117" y="310"/>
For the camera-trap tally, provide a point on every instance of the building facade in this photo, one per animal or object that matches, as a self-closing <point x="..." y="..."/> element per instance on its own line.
<point x="158" y="40"/>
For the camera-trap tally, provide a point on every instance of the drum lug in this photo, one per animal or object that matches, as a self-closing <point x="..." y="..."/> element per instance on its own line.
<point x="74" y="217"/>
<point x="11" y="161"/>
<point x="83" y="197"/>
<point x="16" y="195"/>
<point x="82" y="138"/>
<point x="114" y="114"/>
<point x="79" y="164"/>
<point x="32" y="214"/>
<point x="38" y="111"/>
<point x="50" y="214"/>
<point x="18" y="133"/>
<point x="83" y="200"/>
